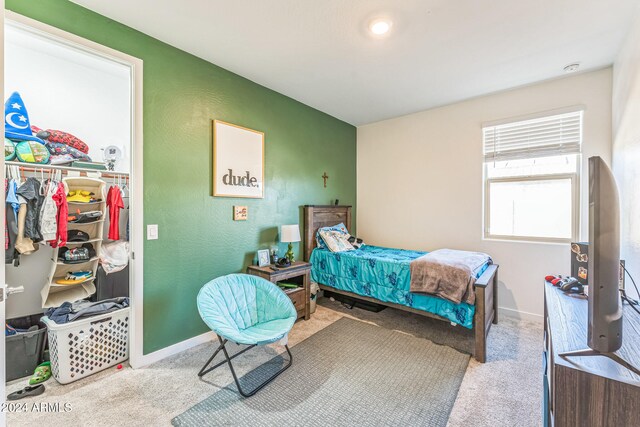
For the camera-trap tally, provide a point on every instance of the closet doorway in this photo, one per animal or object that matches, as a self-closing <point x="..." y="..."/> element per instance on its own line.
<point x="78" y="105"/>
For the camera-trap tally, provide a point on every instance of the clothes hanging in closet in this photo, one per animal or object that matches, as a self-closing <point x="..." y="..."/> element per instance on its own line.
<point x="48" y="213"/>
<point x="24" y="245"/>
<point x="13" y="203"/>
<point x="114" y="203"/>
<point x="30" y="190"/>
<point x="60" y="198"/>
<point x="10" y="253"/>
<point x="12" y="198"/>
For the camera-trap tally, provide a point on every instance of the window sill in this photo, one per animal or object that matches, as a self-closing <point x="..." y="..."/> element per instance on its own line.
<point x="525" y="240"/>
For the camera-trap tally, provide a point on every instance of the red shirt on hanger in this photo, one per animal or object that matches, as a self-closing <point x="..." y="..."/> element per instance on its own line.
<point x="60" y="198"/>
<point x="115" y="203"/>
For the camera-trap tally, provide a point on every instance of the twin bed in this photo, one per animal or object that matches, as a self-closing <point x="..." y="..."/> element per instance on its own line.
<point x="382" y="275"/>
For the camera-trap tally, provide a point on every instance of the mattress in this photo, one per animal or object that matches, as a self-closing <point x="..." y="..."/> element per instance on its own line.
<point x="383" y="274"/>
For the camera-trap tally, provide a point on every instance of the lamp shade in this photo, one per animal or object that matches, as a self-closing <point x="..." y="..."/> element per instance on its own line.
<point x="290" y="233"/>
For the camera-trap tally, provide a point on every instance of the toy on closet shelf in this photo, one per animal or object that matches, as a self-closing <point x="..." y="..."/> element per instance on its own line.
<point x="16" y="120"/>
<point x="26" y="147"/>
<point x="9" y="150"/>
<point x="50" y="145"/>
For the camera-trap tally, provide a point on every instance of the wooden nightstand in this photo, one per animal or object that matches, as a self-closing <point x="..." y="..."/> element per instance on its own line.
<point x="299" y="273"/>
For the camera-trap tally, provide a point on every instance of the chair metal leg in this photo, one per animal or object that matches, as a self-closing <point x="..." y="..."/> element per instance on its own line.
<point x="228" y="358"/>
<point x="204" y="369"/>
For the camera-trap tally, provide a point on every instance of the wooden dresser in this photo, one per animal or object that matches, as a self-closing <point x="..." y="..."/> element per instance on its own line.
<point x="586" y="391"/>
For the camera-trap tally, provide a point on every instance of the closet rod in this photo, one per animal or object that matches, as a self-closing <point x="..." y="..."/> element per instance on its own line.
<point x="37" y="168"/>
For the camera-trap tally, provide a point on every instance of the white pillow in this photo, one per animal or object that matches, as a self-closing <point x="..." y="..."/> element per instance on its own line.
<point x="336" y="241"/>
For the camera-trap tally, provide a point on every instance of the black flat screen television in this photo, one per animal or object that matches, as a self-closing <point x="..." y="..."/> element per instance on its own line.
<point x="604" y="335"/>
<point x="605" y="305"/>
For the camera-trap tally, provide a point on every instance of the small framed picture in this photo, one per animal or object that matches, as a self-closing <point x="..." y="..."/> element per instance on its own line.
<point x="263" y="258"/>
<point x="240" y="213"/>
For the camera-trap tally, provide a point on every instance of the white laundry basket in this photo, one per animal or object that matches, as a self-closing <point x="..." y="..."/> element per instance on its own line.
<point x="84" y="347"/>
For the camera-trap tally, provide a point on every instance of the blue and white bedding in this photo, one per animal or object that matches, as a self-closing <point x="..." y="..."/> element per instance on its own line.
<point x="384" y="274"/>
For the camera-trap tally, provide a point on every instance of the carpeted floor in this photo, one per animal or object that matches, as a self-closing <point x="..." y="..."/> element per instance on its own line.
<point x="505" y="391"/>
<point x="350" y="373"/>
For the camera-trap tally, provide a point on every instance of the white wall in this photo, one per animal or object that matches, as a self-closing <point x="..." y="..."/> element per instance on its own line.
<point x="626" y="144"/>
<point x="420" y="180"/>
<point x="67" y="90"/>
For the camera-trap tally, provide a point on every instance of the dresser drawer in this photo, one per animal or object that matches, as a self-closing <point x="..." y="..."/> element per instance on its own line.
<point x="297" y="298"/>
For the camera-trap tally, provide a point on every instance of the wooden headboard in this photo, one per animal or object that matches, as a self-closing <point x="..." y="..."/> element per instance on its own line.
<point x="316" y="216"/>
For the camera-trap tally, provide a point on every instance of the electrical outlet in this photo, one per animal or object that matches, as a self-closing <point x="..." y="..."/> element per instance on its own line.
<point x="152" y="232"/>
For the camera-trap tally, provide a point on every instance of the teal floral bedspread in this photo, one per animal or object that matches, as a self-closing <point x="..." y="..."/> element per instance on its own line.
<point x="383" y="273"/>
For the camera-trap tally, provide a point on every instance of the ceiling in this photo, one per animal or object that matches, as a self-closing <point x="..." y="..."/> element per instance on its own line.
<point x="438" y="52"/>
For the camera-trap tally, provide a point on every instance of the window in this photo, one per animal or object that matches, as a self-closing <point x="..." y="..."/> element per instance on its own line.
<point x="531" y="178"/>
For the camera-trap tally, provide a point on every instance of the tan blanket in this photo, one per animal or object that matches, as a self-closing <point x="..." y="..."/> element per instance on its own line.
<point x="447" y="273"/>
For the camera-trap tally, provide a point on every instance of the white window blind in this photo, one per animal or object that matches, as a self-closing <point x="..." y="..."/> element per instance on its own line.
<point x="539" y="137"/>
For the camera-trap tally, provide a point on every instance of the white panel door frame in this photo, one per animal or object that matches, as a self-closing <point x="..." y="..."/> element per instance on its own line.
<point x="3" y="297"/>
<point x="136" y="234"/>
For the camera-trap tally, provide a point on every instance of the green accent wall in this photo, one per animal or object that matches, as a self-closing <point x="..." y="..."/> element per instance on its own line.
<point x="198" y="238"/>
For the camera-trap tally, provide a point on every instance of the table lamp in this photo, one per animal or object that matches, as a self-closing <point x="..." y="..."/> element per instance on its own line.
<point x="289" y="234"/>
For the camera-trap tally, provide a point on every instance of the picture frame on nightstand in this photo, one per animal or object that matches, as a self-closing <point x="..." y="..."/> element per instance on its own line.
<point x="264" y="257"/>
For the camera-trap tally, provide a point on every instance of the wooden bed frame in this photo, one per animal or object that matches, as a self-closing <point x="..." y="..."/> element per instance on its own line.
<point x="486" y="285"/>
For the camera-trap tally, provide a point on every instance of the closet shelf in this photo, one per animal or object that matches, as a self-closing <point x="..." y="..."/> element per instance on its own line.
<point x="78" y="263"/>
<point x="58" y="285"/>
<point x="53" y="294"/>
<point x="74" y="224"/>
<point x="82" y="243"/>
<point x="85" y="203"/>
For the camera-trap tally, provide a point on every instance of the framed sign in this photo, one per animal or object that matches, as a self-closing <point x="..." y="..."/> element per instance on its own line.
<point x="240" y="213"/>
<point x="238" y="161"/>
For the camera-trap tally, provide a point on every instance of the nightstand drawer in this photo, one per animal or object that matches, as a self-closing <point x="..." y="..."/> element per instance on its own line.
<point x="297" y="298"/>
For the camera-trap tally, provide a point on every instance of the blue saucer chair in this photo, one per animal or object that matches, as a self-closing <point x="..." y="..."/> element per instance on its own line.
<point x="246" y="310"/>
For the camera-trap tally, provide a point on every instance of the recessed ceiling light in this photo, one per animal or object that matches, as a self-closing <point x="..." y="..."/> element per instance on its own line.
<point x="572" y="68"/>
<point x="380" y="27"/>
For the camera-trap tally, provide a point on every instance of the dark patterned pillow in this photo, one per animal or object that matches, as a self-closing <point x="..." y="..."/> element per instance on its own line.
<point x="61" y="137"/>
<point x="59" y="149"/>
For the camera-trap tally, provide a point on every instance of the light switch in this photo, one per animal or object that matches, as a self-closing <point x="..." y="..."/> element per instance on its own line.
<point x="152" y="232"/>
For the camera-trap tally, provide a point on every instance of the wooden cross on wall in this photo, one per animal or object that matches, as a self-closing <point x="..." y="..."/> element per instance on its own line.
<point x="325" y="177"/>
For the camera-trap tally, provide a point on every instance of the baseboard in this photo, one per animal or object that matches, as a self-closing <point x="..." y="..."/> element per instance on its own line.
<point x="520" y="315"/>
<point x="156" y="356"/>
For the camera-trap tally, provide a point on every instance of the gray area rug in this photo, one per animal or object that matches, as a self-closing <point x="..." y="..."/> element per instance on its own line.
<point x="349" y="374"/>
